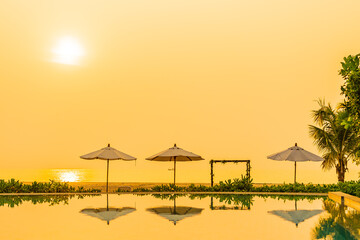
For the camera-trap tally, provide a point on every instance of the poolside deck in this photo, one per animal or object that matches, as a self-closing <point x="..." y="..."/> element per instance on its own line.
<point x="348" y="200"/>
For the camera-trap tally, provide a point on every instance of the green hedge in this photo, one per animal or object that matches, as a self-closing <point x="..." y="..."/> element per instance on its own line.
<point x="244" y="184"/>
<point x="15" y="186"/>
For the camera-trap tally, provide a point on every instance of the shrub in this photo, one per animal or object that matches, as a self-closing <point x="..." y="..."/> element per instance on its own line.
<point x="15" y="186"/>
<point x="236" y="185"/>
<point x="244" y="184"/>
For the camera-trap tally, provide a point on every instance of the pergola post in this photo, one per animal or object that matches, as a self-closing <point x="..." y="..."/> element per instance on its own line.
<point x="212" y="172"/>
<point x="248" y="169"/>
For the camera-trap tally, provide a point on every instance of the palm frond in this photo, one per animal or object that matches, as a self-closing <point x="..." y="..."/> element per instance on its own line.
<point x="329" y="161"/>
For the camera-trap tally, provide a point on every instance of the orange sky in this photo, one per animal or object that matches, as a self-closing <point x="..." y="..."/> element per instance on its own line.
<point x="224" y="79"/>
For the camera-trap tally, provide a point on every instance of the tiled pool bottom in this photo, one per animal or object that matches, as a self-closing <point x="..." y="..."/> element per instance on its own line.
<point x="211" y="217"/>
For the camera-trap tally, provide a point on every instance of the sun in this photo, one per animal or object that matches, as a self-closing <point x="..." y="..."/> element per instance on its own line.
<point x="68" y="51"/>
<point x="69" y="176"/>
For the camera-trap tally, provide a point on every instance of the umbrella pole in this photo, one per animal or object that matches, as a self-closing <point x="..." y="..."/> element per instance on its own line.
<point x="175" y="205"/>
<point x="107" y="202"/>
<point x="107" y="177"/>
<point x="174" y="169"/>
<point x="295" y="174"/>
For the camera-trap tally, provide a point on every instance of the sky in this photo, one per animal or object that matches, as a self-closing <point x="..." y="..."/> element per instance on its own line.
<point x="223" y="79"/>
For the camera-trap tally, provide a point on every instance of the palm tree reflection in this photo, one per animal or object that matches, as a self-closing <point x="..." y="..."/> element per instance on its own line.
<point x="341" y="223"/>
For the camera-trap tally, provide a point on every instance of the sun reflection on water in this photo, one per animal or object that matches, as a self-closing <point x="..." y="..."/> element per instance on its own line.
<point x="68" y="175"/>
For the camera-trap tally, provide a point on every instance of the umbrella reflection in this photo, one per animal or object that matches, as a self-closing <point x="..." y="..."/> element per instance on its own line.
<point x="296" y="216"/>
<point x="107" y="214"/>
<point x="175" y="213"/>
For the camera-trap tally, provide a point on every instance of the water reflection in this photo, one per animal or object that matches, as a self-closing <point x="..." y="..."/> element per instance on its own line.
<point x="238" y="202"/>
<point x="174" y="213"/>
<point x="340" y="224"/>
<point x="296" y="216"/>
<point x="107" y="214"/>
<point x="308" y="198"/>
<point x="213" y="216"/>
<point x="15" y="201"/>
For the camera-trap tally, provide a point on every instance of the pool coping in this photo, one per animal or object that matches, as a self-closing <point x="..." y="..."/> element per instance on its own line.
<point x="146" y="193"/>
<point x="346" y="199"/>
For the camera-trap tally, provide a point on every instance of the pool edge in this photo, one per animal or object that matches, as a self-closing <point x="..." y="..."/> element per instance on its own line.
<point x="346" y="199"/>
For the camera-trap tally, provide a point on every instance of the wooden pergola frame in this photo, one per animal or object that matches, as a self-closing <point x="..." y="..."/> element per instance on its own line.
<point x="212" y="207"/>
<point x="248" y="167"/>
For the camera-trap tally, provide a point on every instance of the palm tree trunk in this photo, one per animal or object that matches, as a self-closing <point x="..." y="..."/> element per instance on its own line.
<point x="340" y="178"/>
<point x="341" y="173"/>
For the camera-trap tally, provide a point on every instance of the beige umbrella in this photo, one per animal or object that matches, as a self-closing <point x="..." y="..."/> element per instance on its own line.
<point x="295" y="154"/>
<point x="109" y="154"/>
<point x="175" y="213"/>
<point x="175" y="154"/>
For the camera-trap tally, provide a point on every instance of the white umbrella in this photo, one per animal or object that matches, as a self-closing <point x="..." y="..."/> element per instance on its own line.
<point x="175" y="154"/>
<point x="295" y="154"/>
<point x="109" y="154"/>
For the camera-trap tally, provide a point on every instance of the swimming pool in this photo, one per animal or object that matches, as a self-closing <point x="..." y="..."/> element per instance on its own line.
<point x="159" y="216"/>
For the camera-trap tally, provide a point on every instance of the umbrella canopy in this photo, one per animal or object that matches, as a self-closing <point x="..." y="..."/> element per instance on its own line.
<point x="108" y="153"/>
<point x="107" y="214"/>
<point x="296" y="216"/>
<point x="175" y="214"/>
<point x="295" y="154"/>
<point x="175" y="154"/>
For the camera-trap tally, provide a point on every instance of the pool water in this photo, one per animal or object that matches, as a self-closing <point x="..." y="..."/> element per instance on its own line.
<point x="210" y="217"/>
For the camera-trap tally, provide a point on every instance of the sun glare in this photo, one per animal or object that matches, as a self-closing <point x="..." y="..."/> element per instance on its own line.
<point x="68" y="51"/>
<point x="69" y="176"/>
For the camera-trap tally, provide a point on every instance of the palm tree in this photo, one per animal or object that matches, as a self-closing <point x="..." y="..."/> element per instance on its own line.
<point x="338" y="142"/>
